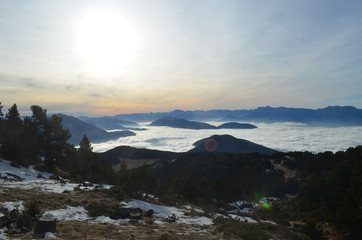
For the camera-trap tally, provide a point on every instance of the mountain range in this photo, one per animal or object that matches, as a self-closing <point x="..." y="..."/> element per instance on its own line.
<point x="110" y="123"/>
<point x="95" y="134"/>
<point x="183" y="123"/>
<point x="329" y="116"/>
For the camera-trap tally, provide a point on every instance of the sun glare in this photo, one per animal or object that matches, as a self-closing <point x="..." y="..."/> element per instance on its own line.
<point x="106" y="40"/>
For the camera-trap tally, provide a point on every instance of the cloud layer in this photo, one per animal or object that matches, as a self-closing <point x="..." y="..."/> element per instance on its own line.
<point x="284" y="137"/>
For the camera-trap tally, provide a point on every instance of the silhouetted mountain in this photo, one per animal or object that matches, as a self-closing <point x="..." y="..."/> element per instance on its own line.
<point x="330" y="116"/>
<point x="125" y="152"/>
<point x="109" y="123"/>
<point x="79" y="128"/>
<point x="235" y="125"/>
<point x="229" y="144"/>
<point x="181" y="123"/>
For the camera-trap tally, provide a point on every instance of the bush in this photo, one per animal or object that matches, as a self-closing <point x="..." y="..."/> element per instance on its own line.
<point x="33" y="209"/>
<point x="99" y="209"/>
<point x="312" y="230"/>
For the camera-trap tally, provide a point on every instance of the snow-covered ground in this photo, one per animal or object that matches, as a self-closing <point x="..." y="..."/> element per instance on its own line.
<point x="33" y="179"/>
<point x="29" y="178"/>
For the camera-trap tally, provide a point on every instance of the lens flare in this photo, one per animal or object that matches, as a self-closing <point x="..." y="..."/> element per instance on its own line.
<point x="265" y="204"/>
<point x="211" y="145"/>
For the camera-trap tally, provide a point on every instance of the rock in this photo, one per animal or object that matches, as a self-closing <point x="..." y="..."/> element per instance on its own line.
<point x="172" y="218"/>
<point x="40" y="176"/>
<point x="25" y="221"/>
<point x="149" y="213"/>
<point x="4" y="221"/>
<point x="122" y="213"/>
<point x="46" y="223"/>
<point x="136" y="213"/>
<point x="15" y="164"/>
<point x="55" y="177"/>
<point x="16" y="177"/>
<point x="14" y="214"/>
<point x="17" y="231"/>
<point x="87" y="184"/>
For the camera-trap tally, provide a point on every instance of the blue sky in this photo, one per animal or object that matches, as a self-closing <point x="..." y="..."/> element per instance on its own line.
<point x="183" y="54"/>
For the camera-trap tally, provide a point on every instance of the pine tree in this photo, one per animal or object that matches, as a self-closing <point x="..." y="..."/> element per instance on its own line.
<point x="12" y="141"/>
<point x="57" y="140"/>
<point x="85" y="145"/>
<point x="13" y="116"/>
<point x="1" y="129"/>
<point x="84" y="155"/>
<point x="1" y="112"/>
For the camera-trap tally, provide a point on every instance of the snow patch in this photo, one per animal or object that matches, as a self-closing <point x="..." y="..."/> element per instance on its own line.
<point x="31" y="180"/>
<point x="104" y="219"/>
<point x="69" y="214"/>
<point x="165" y="212"/>
<point x="243" y="219"/>
<point x="13" y="205"/>
<point x="48" y="235"/>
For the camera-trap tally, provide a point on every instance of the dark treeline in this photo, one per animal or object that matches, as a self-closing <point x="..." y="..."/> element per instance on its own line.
<point x="331" y="188"/>
<point x="41" y="141"/>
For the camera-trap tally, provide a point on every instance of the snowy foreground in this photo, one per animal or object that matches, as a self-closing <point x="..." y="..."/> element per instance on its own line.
<point x="29" y="178"/>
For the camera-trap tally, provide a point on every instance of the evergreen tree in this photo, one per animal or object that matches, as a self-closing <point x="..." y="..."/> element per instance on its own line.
<point x="13" y="116"/>
<point x="1" y="112"/>
<point x="51" y="138"/>
<point x="57" y="146"/>
<point x="1" y="128"/>
<point x="85" y="145"/>
<point x="12" y="134"/>
<point x="84" y="154"/>
<point x="89" y="167"/>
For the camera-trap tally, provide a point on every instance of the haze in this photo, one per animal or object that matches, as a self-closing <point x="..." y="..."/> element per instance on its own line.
<point x="162" y="55"/>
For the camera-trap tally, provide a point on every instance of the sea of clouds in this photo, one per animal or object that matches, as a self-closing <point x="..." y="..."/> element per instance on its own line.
<point x="280" y="136"/>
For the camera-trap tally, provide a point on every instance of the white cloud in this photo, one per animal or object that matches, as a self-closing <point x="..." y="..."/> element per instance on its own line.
<point x="284" y="137"/>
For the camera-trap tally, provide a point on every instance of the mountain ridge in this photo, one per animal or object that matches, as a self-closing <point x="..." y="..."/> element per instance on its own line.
<point x="79" y="128"/>
<point x="183" y="123"/>
<point x="328" y="116"/>
<point x="229" y="144"/>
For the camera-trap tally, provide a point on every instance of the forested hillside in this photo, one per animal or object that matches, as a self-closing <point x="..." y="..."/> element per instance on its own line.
<point x="310" y="187"/>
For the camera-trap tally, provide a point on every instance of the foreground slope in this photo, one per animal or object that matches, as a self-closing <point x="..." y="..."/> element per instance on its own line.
<point x="87" y="211"/>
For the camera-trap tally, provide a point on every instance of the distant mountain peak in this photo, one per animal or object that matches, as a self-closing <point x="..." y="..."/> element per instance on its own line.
<point x="229" y="144"/>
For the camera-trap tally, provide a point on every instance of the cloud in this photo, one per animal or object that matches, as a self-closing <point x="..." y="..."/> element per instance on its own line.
<point x="31" y="82"/>
<point x="284" y="137"/>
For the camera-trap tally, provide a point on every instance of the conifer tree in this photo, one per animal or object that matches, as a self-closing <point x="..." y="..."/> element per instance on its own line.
<point x="1" y="112"/>
<point x="1" y="128"/>
<point x="12" y="134"/>
<point x="85" y="145"/>
<point x="84" y="154"/>
<point x="13" y="116"/>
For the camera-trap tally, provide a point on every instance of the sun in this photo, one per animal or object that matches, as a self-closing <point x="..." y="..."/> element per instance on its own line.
<point x="106" y="40"/>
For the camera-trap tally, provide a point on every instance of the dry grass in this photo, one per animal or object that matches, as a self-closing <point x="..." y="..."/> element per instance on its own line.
<point x="84" y="230"/>
<point x="223" y="229"/>
<point x="88" y="231"/>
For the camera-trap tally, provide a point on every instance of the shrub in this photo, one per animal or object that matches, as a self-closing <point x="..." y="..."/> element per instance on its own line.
<point x="33" y="209"/>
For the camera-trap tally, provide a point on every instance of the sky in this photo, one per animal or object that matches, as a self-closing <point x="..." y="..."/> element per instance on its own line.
<point x="110" y="57"/>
